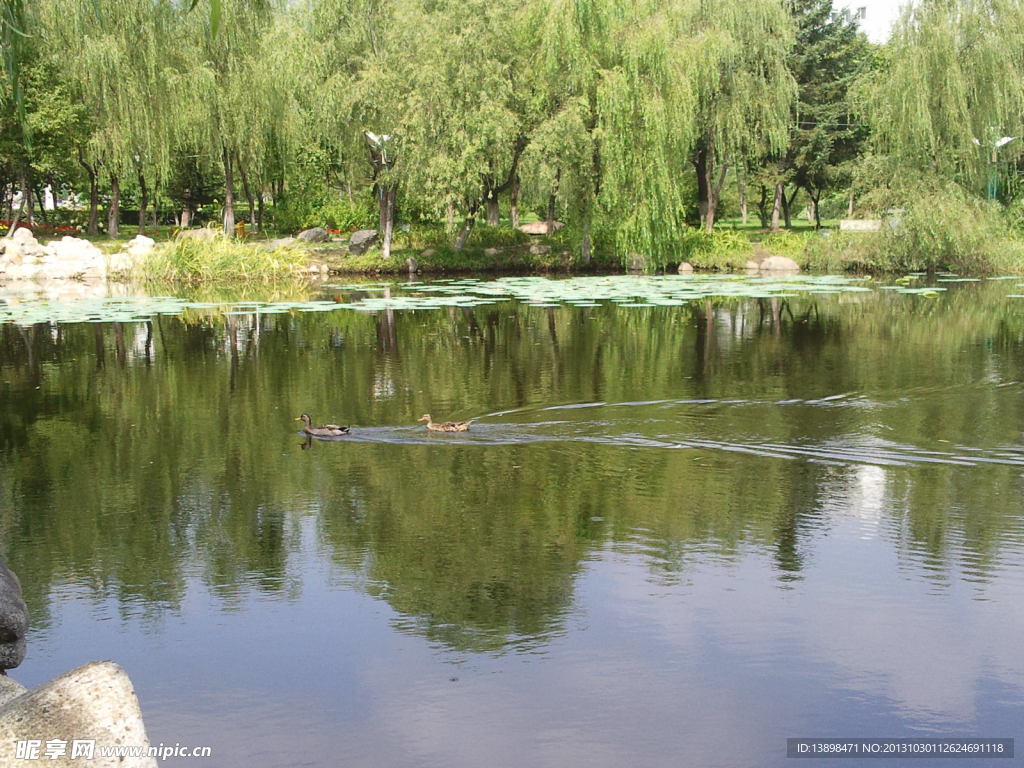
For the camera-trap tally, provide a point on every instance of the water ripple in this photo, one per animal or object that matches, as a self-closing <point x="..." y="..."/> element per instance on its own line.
<point x="855" y="449"/>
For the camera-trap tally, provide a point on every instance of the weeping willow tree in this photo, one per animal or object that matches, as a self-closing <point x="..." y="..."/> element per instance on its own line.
<point x="744" y="87"/>
<point x="950" y="87"/>
<point x="646" y="106"/>
<point x="359" y="52"/>
<point x="619" y="117"/>
<point x="122" y="77"/>
<point x="265" y="143"/>
<point x="16" y="46"/>
<point x="449" y="101"/>
<point x="651" y="85"/>
<point x="343" y="37"/>
<point x="238" y="109"/>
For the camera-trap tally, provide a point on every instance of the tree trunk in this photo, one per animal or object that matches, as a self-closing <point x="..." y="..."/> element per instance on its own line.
<point x="513" y="203"/>
<point x="709" y="189"/>
<point x="114" y="211"/>
<point x="467" y="227"/>
<point x="716" y="195"/>
<point x="30" y="203"/>
<point x="259" y="213"/>
<point x="815" y="196"/>
<point x="16" y="216"/>
<point x="493" y="190"/>
<point x="40" y="195"/>
<point x="700" y="165"/>
<point x="849" y="208"/>
<point x="143" y="203"/>
<point x="387" y="218"/>
<point x="92" y="227"/>
<point x="762" y="207"/>
<point x="585" y="244"/>
<point x="743" y="197"/>
<point x="777" y="207"/>
<point x="248" y="192"/>
<point x="385" y="207"/>
<point x="553" y="201"/>
<point x="787" y="206"/>
<point x="229" y="194"/>
<point x="493" y="210"/>
<point x="186" y="217"/>
<point x="785" y="210"/>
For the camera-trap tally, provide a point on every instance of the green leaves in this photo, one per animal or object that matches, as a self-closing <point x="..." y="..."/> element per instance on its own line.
<point x="952" y="78"/>
<point x="215" y="12"/>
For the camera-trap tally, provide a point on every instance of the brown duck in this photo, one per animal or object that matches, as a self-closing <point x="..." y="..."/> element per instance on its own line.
<point x="445" y="426"/>
<point x="327" y="430"/>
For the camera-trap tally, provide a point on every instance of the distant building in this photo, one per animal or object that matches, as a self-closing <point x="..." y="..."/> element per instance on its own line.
<point x="875" y="17"/>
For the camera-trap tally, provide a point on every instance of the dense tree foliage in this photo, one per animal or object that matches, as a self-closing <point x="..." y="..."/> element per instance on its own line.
<point x="951" y="87"/>
<point x="625" y="121"/>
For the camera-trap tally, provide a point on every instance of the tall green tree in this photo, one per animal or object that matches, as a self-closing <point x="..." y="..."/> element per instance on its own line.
<point x="240" y="69"/>
<point x="121" y="76"/>
<point x="16" y="47"/>
<point x="950" y="85"/>
<point x="830" y="53"/>
<point x="744" y="87"/>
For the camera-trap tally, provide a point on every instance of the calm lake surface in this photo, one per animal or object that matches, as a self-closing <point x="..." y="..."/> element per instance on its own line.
<point x="687" y="523"/>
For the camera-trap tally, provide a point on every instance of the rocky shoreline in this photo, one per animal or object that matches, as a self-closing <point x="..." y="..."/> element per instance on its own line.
<point x="74" y="716"/>
<point x="22" y="258"/>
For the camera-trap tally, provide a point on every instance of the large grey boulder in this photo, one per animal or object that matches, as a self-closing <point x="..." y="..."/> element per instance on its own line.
<point x="361" y="241"/>
<point x="13" y="620"/>
<point x="314" y="235"/>
<point x="778" y="264"/>
<point x="10" y="689"/>
<point x="685" y="268"/>
<point x="95" y="703"/>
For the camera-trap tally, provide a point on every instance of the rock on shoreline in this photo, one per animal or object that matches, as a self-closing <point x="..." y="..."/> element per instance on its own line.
<point x="95" y="702"/>
<point x="13" y="621"/>
<point x="22" y="257"/>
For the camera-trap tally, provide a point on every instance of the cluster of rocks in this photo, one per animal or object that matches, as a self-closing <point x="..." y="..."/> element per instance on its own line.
<point x="93" y="704"/>
<point x="761" y="262"/>
<point x="22" y="257"/>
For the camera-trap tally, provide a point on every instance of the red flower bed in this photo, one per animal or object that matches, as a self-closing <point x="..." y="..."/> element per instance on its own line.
<point x="41" y="228"/>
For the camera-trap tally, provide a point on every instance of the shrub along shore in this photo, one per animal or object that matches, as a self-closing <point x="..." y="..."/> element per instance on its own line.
<point x="978" y="247"/>
<point x="979" y="238"/>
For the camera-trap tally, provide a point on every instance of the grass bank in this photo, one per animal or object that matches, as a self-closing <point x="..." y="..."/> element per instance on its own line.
<point x="220" y="259"/>
<point x="934" y="232"/>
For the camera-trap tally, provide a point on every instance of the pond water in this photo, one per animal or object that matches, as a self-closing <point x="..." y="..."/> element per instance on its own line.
<point x="693" y="517"/>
